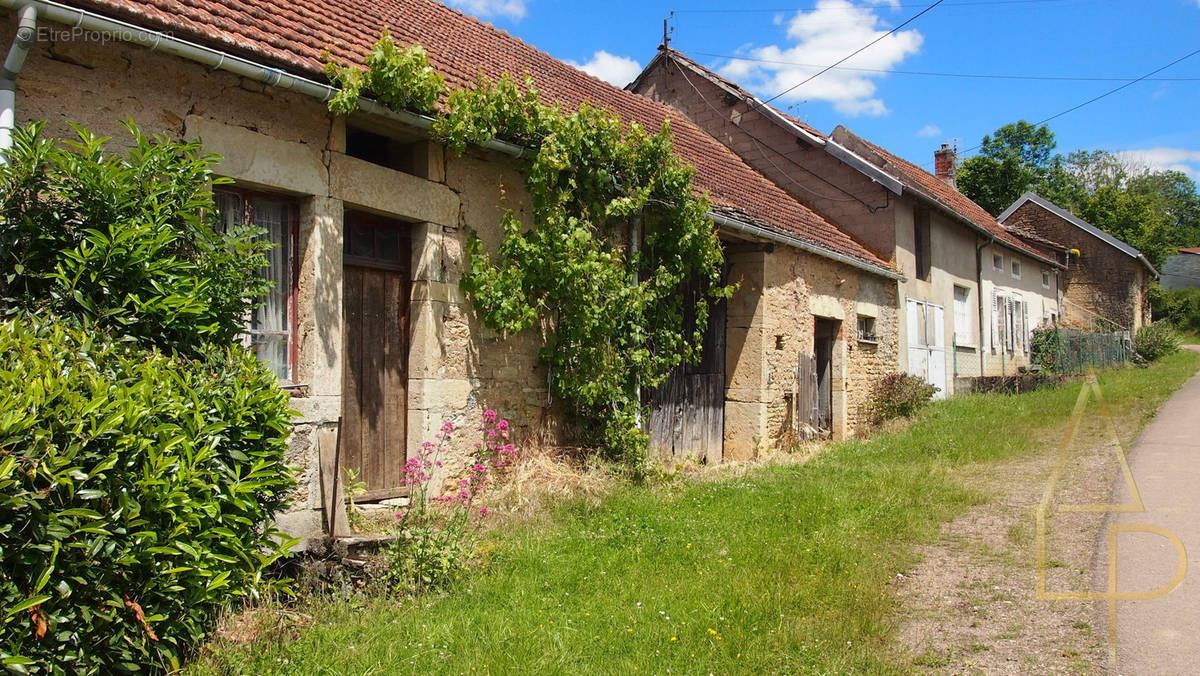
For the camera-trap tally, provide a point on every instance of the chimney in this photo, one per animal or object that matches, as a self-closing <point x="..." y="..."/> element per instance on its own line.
<point x="944" y="161"/>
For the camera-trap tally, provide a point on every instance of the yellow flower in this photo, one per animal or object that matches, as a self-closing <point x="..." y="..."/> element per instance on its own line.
<point x="689" y="545"/>
<point x="712" y="631"/>
<point x="674" y="638"/>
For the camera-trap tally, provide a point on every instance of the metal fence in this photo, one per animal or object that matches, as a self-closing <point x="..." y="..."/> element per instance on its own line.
<point x="1064" y="350"/>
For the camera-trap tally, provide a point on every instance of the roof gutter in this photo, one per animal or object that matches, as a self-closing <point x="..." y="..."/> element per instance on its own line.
<point x="220" y="60"/>
<point x="795" y="242"/>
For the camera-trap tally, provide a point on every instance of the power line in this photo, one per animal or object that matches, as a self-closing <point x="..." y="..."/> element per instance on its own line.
<point x="982" y="76"/>
<point x="760" y="10"/>
<point x="855" y="52"/>
<point x="1110" y="92"/>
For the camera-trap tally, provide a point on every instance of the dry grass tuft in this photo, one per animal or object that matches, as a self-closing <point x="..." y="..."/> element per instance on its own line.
<point x="544" y="475"/>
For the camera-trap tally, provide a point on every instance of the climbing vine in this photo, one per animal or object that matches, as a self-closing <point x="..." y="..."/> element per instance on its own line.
<point x="614" y="318"/>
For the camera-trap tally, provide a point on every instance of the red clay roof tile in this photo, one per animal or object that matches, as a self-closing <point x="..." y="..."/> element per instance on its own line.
<point x="294" y="35"/>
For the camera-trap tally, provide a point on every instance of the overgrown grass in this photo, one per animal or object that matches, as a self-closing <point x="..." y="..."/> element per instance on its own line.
<point x="786" y="569"/>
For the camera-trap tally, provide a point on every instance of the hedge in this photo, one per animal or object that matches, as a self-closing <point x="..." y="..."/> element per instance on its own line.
<point x="137" y="491"/>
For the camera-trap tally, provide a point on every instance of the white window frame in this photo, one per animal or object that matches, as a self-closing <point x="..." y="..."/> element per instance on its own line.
<point x="998" y="262"/>
<point x="964" y="333"/>
<point x="1015" y="266"/>
<point x="1045" y="279"/>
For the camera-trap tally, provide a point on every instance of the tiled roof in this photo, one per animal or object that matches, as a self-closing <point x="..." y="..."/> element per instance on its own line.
<point x="293" y="35"/>
<point x="916" y="178"/>
<point x="910" y="175"/>
<point x="1190" y="250"/>
<point x="1118" y="244"/>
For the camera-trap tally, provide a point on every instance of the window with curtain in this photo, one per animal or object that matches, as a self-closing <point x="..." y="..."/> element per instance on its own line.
<point x="269" y="329"/>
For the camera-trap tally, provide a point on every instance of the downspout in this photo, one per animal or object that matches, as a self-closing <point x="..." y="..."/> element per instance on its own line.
<point x="213" y="58"/>
<point x="979" y="294"/>
<point x="26" y="31"/>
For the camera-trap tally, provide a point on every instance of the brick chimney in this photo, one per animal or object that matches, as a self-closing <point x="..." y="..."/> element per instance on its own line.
<point x="944" y="161"/>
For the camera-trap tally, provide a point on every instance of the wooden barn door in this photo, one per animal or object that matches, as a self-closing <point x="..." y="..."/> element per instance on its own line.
<point x="375" y="374"/>
<point x="824" y="335"/>
<point x="687" y="413"/>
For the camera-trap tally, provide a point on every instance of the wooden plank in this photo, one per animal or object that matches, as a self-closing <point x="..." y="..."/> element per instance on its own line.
<point x="374" y="312"/>
<point x="333" y="498"/>
<point x="352" y="415"/>
<point x="394" y="380"/>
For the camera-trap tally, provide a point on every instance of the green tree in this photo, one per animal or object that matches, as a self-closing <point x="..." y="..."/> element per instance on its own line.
<point x="1017" y="157"/>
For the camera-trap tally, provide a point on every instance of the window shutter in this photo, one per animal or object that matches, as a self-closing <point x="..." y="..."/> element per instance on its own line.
<point x="1019" y="311"/>
<point x="995" y="324"/>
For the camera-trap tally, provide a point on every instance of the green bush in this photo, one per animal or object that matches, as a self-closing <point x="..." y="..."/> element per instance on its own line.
<point x="126" y="241"/>
<point x="136" y="493"/>
<point x="1155" y="341"/>
<point x="1179" y="307"/>
<point x="899" y="395"/>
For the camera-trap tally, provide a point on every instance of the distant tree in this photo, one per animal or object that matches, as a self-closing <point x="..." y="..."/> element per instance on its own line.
<point x="1016" y="158"/>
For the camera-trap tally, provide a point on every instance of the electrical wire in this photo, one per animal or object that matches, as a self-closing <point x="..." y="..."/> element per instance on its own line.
<point x="772" y="10"/>
<point x="855" y="52"/>
<point x="1110" y="92"/>
<point x="982" y="76"/>
<point x="763" y="147"/>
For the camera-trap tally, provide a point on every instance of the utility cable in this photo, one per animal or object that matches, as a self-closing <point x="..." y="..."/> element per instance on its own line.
<point x="981" y="76"/>
<point x="855" y="52"/>
<point x="1110" y="92"/>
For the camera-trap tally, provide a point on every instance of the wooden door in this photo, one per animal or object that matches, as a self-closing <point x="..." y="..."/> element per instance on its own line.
<point x="824" y="334"/>
<point x="375" y="373"/>
<point x="687" y="413"/>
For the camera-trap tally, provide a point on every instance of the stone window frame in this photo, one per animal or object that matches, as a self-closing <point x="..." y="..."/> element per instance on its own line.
<point x="1045" y="279"/>
<point x="1016" y="268"/>
<point x="291" y="228"/>
<point x="998" y="262"/>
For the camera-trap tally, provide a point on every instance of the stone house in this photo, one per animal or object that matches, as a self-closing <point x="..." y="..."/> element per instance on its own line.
<point x="1182" y="270"/>
<point x="367" y="327"/>
<point x="1106" y="283"/>
<point x="918" y="221"/>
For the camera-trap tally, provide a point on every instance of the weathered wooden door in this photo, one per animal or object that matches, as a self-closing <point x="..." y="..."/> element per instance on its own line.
<point x="375" y="296"/>
<point x="926" y="344"/>
<point x="687" y="413"/>
<point x="824" y="334"/>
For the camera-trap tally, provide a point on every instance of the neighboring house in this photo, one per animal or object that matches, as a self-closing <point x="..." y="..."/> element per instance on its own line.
<point x="1182" y="270"/>
<point x="367" y="326"/>
<point x="1106" y="284"/>
<point x="943" y="242"/>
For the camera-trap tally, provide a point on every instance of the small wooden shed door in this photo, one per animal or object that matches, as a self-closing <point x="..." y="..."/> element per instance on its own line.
<point x="687" y="413"/>
<point x="375" y="374"/>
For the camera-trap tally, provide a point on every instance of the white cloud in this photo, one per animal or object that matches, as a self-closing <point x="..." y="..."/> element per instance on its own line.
<point x="513" y="9"/>
<point x="929" y="131"/>
<point x="821" y="37"/>
<point x="616" y="70"/>
<point x="1175" y="159"/>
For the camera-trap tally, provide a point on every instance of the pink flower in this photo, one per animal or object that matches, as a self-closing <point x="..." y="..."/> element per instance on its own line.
<point x="399" y="516"/>
<point x="489" y="416"/>
<point x="502" y="425"/>
<point x="483" y="511"/>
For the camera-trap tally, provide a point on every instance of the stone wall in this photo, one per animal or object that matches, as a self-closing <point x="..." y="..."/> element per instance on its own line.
<point x="279" y="142"/>
<point x="1101" y="279"/>
<point x="284" y="143"/>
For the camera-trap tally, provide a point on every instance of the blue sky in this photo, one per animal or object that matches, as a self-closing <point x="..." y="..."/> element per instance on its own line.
<point x="1155" y="122"/>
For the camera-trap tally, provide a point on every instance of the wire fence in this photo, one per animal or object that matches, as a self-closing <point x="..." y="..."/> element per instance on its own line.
<point x="1064" y="350"/>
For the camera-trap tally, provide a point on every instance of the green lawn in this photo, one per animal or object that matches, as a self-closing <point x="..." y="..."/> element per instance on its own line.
<point x="784" y="570"/>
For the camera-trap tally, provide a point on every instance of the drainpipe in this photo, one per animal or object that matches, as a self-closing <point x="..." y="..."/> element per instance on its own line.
<point x="218" y="60"/>
<point x="979" y="293"/>
<point x="26" y="31"/>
